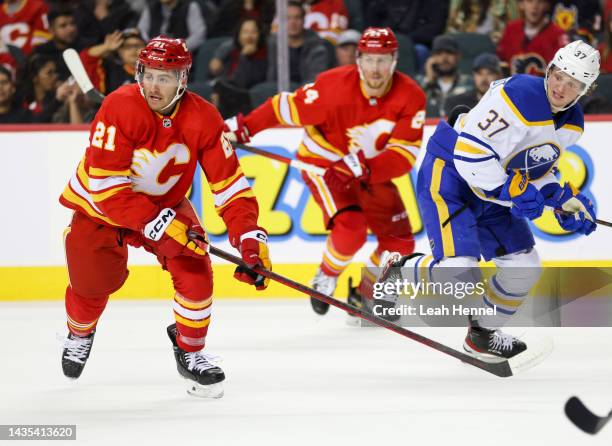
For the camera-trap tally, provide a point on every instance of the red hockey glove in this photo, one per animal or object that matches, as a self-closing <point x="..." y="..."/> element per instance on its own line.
<point x="342" y="174"/>
<point x="235" y="130"/>
<point x="169" y="230"/>
<point x="254" y="251"/>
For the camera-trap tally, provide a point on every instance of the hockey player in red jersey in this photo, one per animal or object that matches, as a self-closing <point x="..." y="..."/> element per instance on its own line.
<point x="364" y="124"/>
<point x="129" y="189"/>
<point x="23" y="23"/>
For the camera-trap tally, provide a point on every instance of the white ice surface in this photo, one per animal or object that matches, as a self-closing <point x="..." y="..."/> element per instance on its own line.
<point x="292" y="379"/>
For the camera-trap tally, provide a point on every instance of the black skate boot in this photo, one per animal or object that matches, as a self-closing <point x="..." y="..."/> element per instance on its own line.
<point x="75" y="354"/>
<point x="324" y="284"/>
<point x="204" y="377"/>
<point x="491" y="345"/>
<point x="356" y="300"/>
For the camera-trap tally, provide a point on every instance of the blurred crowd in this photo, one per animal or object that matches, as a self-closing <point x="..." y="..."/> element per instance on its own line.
<point x="453" y="48"/>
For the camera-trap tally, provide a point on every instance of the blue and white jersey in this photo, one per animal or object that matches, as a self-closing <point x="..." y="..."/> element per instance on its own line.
<point x="513" y="127"/>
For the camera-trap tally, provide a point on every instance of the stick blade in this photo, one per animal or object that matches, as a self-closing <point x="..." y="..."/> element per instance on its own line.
<point x="583" y="418"/>
<point x="73" y="61"/>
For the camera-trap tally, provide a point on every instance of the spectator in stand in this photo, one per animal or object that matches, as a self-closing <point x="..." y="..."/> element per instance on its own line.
<point x="12" y="58"/>
<point x="481" y="16"/>
<point x="421" y="20"/>
<point x="113" y="63"/>
<point x="346" y="48"/>
<point x="528" y="44"/>
<point x="64" y="35"/>
<point x="174" y="18"/>
<point x="41" y="95"/>
<point x="442" y="78"/>
<point x="605" y="48"/>
<point x="486" y="69"/>
<point x="243" y="61"/>
<point x="75" y="109"/>
<point x="233" y="12"/>
<point x="308" y="55"/>
<point x="329" y="18"/>
<point x="238" y="65"/>
<point x="23" y="23"/>
<point x="98" y="18"/>
<point x="10" y="112"/>
<point x="579" y="19"/>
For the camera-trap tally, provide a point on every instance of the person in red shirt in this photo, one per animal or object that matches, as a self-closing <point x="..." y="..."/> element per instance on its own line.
<point x="605" y="47"/>
<point x="329" y="18"/>
<point x="145" y="143"/>
<point x="364" y="124"/>
<point x="23" y="23"/>
<point x="528" y="44"/>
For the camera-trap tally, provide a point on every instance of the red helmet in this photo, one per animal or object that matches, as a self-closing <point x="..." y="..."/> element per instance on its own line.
<point x="165" y="53"/>
<point x="377" y="40"/>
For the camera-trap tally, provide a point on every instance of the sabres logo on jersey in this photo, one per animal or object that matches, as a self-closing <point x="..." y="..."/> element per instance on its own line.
<point x="535" y="161"/>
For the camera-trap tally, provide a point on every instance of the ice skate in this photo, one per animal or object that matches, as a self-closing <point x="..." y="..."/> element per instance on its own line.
<point x="205" y="378"/>
<point x="492" y="345"/>
<point x="75" y="354"/>
<point x="324" y="284"/>
<point x="356" y="300"/>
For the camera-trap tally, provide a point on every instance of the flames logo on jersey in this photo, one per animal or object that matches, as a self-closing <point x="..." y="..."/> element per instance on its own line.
<point x="529" y="63"/>
<point x="364" y="137"/>
<point x="535" y="161"/>
<point x="147" y="166"/>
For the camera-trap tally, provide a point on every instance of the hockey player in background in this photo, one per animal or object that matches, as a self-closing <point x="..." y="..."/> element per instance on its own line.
<point x="483" y="178"/>
<point x="364" y="124"/>
<point x="129" y="189"/>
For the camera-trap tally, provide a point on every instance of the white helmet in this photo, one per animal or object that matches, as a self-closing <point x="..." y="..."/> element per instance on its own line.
<point x="580" y="60"/>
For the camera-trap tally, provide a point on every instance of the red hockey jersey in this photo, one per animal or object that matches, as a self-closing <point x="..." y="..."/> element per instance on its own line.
<point x="328" y="18"/>
<point x="26" y="27"/>
<point x="338" y="118"/>
<point x="530" y="56"/>
<point x="139" y="162"/>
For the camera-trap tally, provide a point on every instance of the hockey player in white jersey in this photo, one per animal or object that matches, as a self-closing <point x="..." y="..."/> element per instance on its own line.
<point x="481" y="179"/>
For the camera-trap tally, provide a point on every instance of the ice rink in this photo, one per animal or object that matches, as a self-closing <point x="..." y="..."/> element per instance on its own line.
<point x="292" y="379"/>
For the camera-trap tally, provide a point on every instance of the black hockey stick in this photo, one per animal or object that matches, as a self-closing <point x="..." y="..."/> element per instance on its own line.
<point x="583" y="418"/>
<point x="502" y="369"/>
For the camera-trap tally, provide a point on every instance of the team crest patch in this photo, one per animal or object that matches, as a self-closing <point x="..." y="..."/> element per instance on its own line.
<point x="167" y="123"/>
<point x="535" y="161"/>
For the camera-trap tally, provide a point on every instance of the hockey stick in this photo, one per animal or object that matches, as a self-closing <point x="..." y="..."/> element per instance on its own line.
<point x="306" y="167"/>
<point x="502" y="369"/>
<point x="583" y="418"/>
<point x="73" y="61"/>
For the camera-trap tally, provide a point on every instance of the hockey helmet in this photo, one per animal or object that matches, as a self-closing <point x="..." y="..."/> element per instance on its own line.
<point x="580" y="61"/>
<point x="165" y="53"/>
<point x="377" y="40"/>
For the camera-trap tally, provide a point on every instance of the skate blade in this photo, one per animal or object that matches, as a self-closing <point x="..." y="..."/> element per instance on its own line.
<point x="537" y="351"/>
<point x="200" y="391"/>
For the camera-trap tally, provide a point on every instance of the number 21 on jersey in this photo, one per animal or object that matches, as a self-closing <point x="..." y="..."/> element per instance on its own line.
<point x="104" y="137"/>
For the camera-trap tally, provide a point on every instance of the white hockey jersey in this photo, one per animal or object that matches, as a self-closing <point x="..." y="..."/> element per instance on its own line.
<point x="513" y="127"/>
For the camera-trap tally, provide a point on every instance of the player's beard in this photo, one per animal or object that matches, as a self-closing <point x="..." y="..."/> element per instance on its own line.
<point x="376" y="84"/>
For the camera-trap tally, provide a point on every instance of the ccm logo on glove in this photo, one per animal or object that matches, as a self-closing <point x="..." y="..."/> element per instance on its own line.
<point x="156" y="228"/>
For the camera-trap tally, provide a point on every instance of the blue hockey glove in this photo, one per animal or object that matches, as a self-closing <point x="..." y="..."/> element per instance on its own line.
<point x="527" y="201"/>
<point x="567" y="198"/>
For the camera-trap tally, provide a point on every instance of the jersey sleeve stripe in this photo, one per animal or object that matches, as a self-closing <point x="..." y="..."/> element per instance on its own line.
<point x="472" y="160"/>
<point x="96" y="185"/>
<point x="295" y="115"/>
<point x="81" y="203"/>
<point x="223" y="184"/>
<point x="276" y="108"/>
<point x="221" y="198"/>
<point x="315" y="142"/>
<point x="97" y="172"/>
<point x="101" y="196"/>
<point x="575" y="128"/>
<point x="476" y="140"/>
<point x="403" y="142"/>
<point x="518" y="114"/>
<point x="247" y="193"/>
<point x="403" y="152"/>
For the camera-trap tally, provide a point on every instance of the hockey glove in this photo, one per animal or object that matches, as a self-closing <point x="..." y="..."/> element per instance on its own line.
<point x="342" y="174"/>
<point x="170" y="232"/>
<point x="235" y="130"/>
<point x="567" y="198"/>
<point x="527" y="201"/>
<point x="254" y="251"/>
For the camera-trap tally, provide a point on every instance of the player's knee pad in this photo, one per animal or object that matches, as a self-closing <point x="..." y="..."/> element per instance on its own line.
<point x="351" y="223"/>
<point x="517" y="273"/>
<point x="402" y="244"/>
